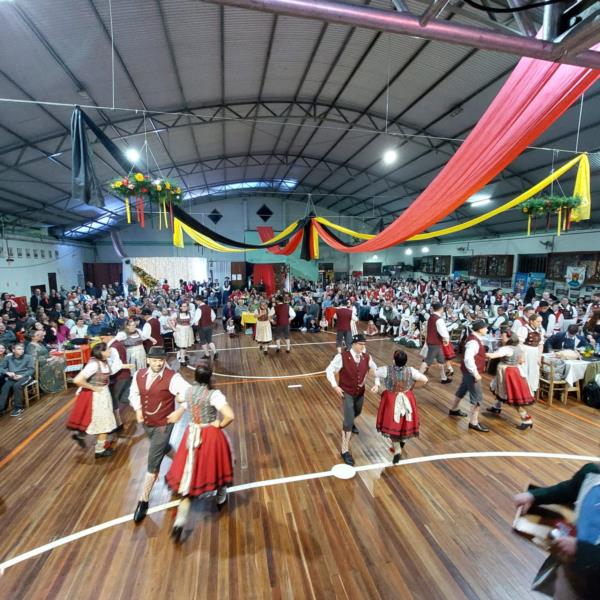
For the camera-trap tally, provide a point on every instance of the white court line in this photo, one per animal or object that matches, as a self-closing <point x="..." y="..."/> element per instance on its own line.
<point x="285" y="480"/>
<point x="219" y="350"/>
<point x="263" y="376"/>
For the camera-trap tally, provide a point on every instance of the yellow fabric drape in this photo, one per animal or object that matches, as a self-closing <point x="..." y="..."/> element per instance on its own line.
<point x="314" y="240"/>
<point x="179" y="228"/>
<point x="582" y="189"/>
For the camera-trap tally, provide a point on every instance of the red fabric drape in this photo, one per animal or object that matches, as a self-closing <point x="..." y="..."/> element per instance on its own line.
<point x="266" y="273"/>
<point x="535" y="95"/>
<point x="267" y="233"/>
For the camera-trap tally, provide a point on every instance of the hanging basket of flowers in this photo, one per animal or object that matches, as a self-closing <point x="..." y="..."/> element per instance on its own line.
<point x="139" y="188"/>
<point x="561" y="206"/>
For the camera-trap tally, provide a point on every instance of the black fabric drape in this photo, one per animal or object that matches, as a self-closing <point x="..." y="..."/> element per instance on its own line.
<point x="186" y="219"/>
<point x="85" y="186"/>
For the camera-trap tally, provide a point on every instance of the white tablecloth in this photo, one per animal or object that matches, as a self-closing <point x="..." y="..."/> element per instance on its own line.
<point x="574" y="371"/>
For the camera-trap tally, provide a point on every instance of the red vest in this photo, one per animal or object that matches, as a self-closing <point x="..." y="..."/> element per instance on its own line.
<point x="344" y="318"/>
<point x="433" y="337"/>
<point x="157" y="402"/>
<point x="479" y="357"/>
<point x="155" y="333"/>
<point x="282" y="314"/>
<point x="352" y="375"/>
<point x="123" y="373"/>
<point x="205" y="315"/>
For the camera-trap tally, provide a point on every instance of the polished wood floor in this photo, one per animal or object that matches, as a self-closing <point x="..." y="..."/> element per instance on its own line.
<point x="426" y="531"/>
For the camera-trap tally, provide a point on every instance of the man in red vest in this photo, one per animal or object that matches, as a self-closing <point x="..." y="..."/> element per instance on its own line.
<point x="150" y="330"/>
<point x="472" y="366"/>
<point x="283" y="313"/>
<point x="152" y="396"/>
<point x="344" y="315"/>
<point x="353" y="366"/>
<point x="437" y="336"/>
<point x="203" y="321"/>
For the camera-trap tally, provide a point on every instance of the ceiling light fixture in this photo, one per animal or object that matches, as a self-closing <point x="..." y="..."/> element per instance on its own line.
<point x="424" y="249"/>
<point x="390" y="156"/>
<point x="480" y="202"/>
<point x="132" y="155"/>
<point x="408" y="251"/>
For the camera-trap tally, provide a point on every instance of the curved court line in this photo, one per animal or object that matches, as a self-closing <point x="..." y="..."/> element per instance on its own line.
<point x="263" y="376"/>
<point x="284" y="480"/>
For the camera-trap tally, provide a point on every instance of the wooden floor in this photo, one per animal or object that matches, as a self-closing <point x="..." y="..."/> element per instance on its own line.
<point x="430" y="530"/>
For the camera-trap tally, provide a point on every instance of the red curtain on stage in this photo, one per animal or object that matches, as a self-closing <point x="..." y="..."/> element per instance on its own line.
<point x="266" y="273"/>
<point x="535" y="95"/>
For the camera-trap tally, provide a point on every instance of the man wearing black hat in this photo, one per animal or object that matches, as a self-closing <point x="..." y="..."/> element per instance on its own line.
<point x="150" y="330"/>
<point x="473" y="364"/>
<point x="152" y="396"/>
<point x="353" y="366"/>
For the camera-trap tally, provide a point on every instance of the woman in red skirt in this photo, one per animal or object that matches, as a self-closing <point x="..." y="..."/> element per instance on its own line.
<point x="202" y="466"/>
<point x="398" y="416"/>
<point x="510" y="384"/>
<point x="93" y="412"/>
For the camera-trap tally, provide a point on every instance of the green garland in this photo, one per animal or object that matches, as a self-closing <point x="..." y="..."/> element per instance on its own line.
<point x="549" y="204"/>
<point x="147" y="279"/>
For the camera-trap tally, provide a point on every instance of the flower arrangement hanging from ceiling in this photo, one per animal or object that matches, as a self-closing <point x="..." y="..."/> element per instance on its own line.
<point x="147" y="279"/>
<point x="561" y="206"/>
<point x="139" y="186"/>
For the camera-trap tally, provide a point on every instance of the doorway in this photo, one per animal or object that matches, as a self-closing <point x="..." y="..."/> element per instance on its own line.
<point x="52" y="282"/>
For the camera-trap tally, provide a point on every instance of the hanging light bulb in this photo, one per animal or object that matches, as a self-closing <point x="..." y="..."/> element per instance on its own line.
<point x="390" y="156"/>
<point x="132" y="155"/>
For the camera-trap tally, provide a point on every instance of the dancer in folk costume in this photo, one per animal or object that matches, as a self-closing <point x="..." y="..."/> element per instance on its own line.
<point x="344" y="315"/>
<point x="472" y="366"/>
<point x="510" y="385"/>
<point x="264" y="333"/>
<point x="202" y="466"/>
<point x="183" y="333"/>
<point x="398" y="415"/>
<point x="283" y="314"/>
<point x="133" y="340"/>
<point x="93" y="410"/>
<point x="353" y="365"/>
<point x="532" y="338"/>
<point x="437" y="337"/>
<point x="203" y="320"/>
<point x="151" y="330"/>
<point x="153" y="396"/>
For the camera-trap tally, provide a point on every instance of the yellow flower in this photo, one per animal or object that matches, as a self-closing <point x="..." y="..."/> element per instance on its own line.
<point x="159" y="188"/>
<point x="138" y="177"/>
<point x="117" y="184"/>
<point x="168" y="185"/>
<point x="178" y="190"/>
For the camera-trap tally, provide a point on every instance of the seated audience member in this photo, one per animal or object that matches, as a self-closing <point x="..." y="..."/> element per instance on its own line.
<point x="80" y="331"/>
<point x="18" y="368"/>
<point x="50" y="368"/>
<point x="566" y="340"/>
<point x="95" y="326"/>
<point x="7" y="335"/>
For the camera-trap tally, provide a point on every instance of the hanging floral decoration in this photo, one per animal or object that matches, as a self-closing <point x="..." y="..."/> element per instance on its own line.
<point x="140" y="187"/>
<point x="147" y="279"/>
<point x="561" y="206"/>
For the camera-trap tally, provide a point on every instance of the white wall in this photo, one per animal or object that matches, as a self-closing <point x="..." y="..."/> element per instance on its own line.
<point x="18" y="277"/>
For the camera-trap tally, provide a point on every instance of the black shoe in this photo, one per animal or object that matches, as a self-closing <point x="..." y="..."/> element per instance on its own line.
<point x="355" y="429"/>
<point x="119" y="428"/>
<point x="176" y="532"/>
<point x="79" y="439"/>
<point x="396" y="459"/>
<point x="348" y="458"/>
<point x="458" y="413"/>
<point x="402" y="444"/>
<point x="106" y="452"/>
<point x="216" y="356"/>
<point x="287" y="351"/>
<point x="222" y="505"/>
<point x="140" y="511"/>
<point x="524" y="426"/>
<point x="445" y="381"/>
<point x="493" y="410"/>
<point x="478" y="427"/>
<point x="278" y="349"/>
